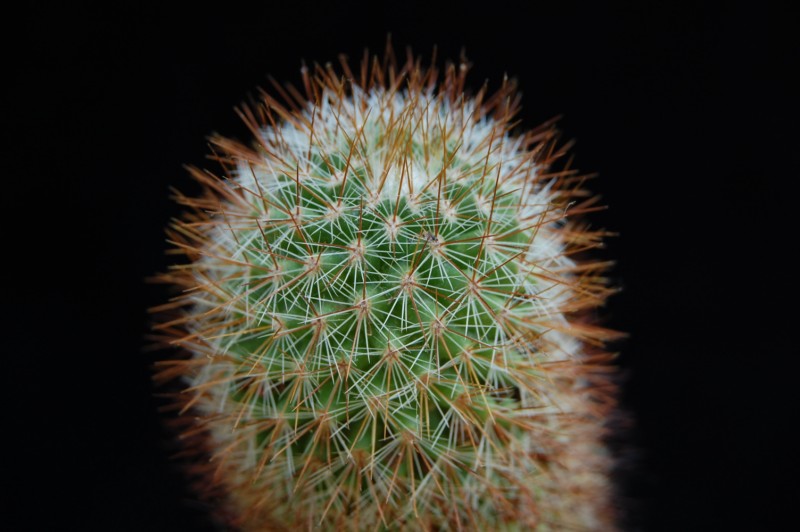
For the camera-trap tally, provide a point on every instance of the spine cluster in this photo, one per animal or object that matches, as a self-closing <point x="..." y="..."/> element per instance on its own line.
<point x="381" y="319"/>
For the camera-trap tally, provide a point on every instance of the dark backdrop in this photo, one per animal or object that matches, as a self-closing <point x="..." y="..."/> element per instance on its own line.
<point x="684" y="110"/>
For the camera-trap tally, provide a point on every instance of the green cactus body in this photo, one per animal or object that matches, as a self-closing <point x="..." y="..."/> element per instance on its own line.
<point x="381" y="317"/>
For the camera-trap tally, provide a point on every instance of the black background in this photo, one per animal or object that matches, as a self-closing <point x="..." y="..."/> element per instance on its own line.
<point x="683" y="109"/>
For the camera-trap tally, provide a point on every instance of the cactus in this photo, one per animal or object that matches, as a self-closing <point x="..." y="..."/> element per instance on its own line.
<point x="384" y="317"/>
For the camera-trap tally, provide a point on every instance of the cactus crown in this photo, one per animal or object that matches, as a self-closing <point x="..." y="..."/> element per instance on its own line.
<point x="381" y="313"/>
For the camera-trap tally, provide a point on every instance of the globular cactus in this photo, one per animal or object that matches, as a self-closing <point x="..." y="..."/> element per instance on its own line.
<point x="385" y="314"/>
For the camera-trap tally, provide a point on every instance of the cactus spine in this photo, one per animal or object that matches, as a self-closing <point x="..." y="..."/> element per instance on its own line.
<point x="382" y="316"/>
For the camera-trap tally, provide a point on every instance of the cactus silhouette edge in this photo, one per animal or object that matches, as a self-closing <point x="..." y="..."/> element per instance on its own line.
<point x="383" y="317"/>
